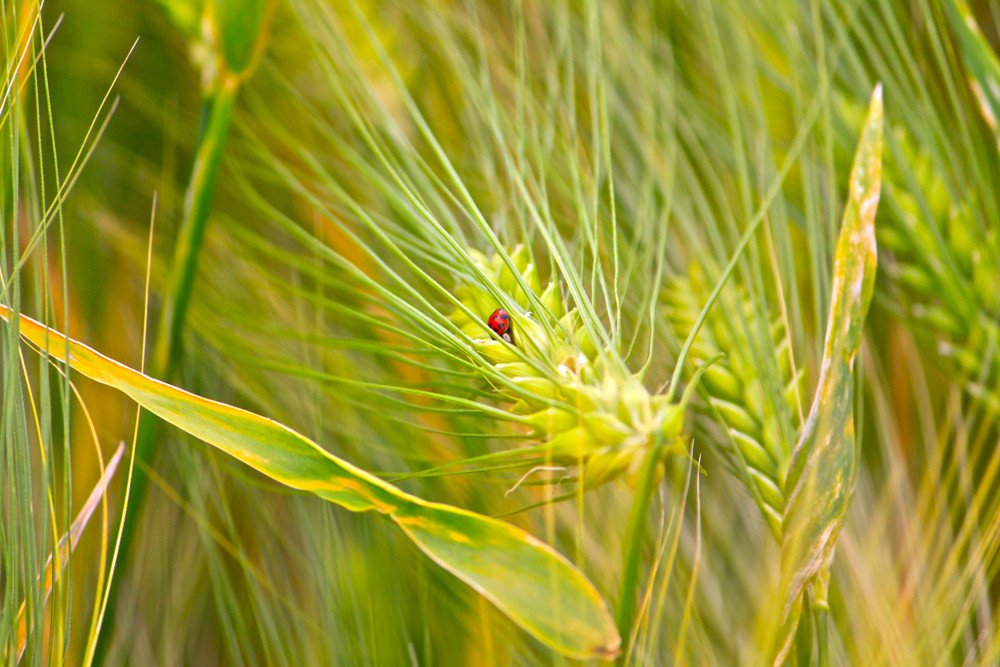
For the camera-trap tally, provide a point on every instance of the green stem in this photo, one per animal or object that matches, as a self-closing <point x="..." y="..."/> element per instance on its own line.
<point x="634" y="531"/>
<point x="805" y="637"/>
<point x="166" y="350"/>
<point x="197" y="205"/>
<point x="823" y="659"/>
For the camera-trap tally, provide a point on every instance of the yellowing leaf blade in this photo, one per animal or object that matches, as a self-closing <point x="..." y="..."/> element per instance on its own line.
<point x="63" y="550"/>
<point x="525" y="578"/>
<point x="820" y="479"/>
<point x="578" y="623"/>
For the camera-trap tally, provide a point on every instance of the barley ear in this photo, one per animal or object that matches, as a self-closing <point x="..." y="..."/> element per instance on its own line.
<point x="586" y="410"/>
<point x="824" y="464"/>
<point x="944" y="257"/>
<point x="733" y="391"/>
<point x="979" y="60"/>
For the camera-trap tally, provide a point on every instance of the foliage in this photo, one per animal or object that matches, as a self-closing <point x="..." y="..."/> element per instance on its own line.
<point x="660" y="194"/>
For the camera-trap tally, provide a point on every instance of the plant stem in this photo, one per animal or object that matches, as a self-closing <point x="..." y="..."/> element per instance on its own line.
<point x="634" y="531"/>
<point x="823" y="655"/>
<point x="197" y="205"/>
<point x="166" y="350"/>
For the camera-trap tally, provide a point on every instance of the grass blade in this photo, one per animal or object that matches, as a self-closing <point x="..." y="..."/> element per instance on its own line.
<point x="824" y="464"/>
<point x="66" y="546"/>
<point x="526" y="579"/>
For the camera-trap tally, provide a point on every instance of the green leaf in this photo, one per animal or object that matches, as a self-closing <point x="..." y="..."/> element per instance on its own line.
<point x="820" y="480"/>
<point x="526" y="579"/>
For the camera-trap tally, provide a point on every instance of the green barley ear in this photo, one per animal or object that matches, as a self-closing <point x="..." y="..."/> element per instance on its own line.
<point x="945" y="278"/>
<point x="239" y="30"/>
<point x="944" y="259"/>
<point x="185" y="15"/>
<point x="226" y="37"/>
<point x="979" y="59"/>
<point x="943" y="265"/>
<point x="824" y="464"/>
<point x="733" y="391"/>
<point x="587" y="410"/>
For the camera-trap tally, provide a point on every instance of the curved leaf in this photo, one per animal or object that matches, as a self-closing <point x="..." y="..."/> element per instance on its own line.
<point x="525" y="578"/>
<point x="820" y="479"/>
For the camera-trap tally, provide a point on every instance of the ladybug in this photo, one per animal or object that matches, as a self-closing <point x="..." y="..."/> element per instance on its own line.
<point x="500" y="324"/>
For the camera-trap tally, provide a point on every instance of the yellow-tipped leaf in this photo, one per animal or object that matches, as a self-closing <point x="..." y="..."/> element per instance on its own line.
<point x="525" y="578"/>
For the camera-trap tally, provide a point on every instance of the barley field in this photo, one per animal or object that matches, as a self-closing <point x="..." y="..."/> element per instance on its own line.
<point x="500" y="332"/>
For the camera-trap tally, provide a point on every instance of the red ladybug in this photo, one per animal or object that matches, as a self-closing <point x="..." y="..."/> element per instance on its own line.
<point x="500" y="324"/>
